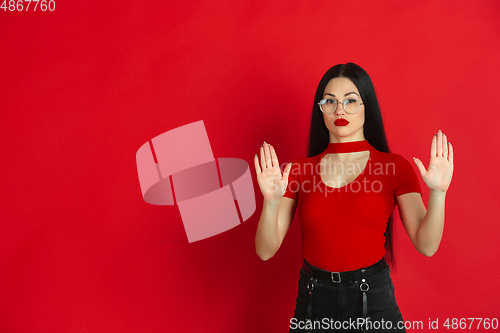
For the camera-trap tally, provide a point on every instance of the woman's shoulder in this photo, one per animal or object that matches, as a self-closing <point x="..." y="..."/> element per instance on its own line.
<point x="389" y="157"/>
<point x="303" y="160"/>
<point x="304" y="166"/>
<point x="392" y="161"/>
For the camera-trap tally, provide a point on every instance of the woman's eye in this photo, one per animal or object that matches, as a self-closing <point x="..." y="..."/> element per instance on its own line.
<point x="351" y="101"/>
<point x="330" y="101"/>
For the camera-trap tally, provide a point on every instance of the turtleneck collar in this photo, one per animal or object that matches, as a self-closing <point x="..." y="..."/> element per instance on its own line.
<point x="347" y="147"/>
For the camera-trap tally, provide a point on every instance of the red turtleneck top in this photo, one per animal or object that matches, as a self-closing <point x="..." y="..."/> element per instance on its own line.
<point x="344" y="227"/>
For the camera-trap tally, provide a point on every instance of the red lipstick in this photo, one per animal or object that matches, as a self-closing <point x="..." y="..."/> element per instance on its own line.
<point x="341" y="122"/>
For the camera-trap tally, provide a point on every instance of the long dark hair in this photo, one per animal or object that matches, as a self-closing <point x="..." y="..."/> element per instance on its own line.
<point x="373" y="128"/>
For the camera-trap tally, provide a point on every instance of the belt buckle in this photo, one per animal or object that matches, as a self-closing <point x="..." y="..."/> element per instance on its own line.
<point x="336" y="274"/>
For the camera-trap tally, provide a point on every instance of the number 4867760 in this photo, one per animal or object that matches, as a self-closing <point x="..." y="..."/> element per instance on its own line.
<point x="27" y="5"/>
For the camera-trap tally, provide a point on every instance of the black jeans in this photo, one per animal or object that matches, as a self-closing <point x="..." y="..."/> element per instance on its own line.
<point x="338" y="307"/>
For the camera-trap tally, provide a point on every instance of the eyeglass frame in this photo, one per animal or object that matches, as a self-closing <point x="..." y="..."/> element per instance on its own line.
<point x="343" y="105"/>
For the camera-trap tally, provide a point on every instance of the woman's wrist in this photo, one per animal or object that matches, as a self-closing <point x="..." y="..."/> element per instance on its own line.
<point x="437" y="193"/>
<point x="272" y="202"/>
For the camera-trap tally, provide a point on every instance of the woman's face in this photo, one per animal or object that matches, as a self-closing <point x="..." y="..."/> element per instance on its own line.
<point x="343" y="126"/>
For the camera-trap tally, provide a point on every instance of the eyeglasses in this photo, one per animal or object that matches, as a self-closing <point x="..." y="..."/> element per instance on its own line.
<point x="350" y="105"/>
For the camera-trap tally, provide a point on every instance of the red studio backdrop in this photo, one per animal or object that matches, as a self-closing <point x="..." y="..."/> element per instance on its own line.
<point x="83" y="86"/>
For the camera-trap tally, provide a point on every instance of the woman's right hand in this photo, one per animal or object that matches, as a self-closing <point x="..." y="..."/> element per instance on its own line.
<point x="271" y="182"/>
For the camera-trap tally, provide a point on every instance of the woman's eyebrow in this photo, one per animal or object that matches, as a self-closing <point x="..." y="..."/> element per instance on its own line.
<point x="352" y="92"/>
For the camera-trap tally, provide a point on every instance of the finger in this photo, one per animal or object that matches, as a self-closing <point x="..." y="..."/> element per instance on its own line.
<point x="445" y="146"/>
<point x="439" y="144"/>
<point x="262" y="158"/>
<point x="420" y="166"/>
<point x="433" y="146"/>
<point x="286" y="172"/>
<point x="257" y="166"/>
<point x="450" y="154"/>
<point x="274" y="157"/>
<point x="269" y="164"/>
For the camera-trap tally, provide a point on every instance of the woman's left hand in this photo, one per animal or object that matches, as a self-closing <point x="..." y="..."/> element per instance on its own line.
<point x="438" y="175"/>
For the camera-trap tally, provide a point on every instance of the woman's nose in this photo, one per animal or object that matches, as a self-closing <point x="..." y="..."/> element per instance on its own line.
<point x="340" y="109"/>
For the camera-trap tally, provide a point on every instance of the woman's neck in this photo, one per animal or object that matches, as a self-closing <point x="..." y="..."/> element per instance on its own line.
<point x="355" y="137"/>
<point x="347" y="147"/>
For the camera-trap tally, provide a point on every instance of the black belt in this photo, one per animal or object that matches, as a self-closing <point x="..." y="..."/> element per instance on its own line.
<point x="338" y="277"/>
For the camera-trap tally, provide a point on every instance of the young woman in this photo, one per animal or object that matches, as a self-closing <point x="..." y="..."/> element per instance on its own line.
<point x="345" y="192"/>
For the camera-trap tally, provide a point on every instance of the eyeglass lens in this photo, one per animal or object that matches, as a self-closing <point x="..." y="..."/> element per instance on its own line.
<point x="330" y="105"/>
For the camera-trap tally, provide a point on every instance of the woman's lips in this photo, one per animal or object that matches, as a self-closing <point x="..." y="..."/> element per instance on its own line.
<point x="341" y="122"/>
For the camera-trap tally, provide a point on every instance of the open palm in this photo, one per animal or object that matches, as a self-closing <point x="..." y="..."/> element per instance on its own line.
<point x="440" y="171"/>
<point x="271" y="182"/>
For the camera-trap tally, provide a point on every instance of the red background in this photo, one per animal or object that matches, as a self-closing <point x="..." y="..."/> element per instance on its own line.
<point x="83" y="87"/>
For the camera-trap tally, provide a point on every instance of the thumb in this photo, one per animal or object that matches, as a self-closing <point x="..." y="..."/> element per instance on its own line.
<point x="420" y="166"/>
<point x="286" y="172"/>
